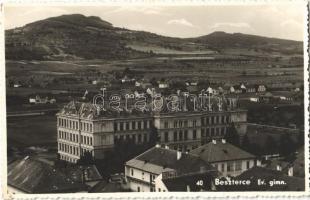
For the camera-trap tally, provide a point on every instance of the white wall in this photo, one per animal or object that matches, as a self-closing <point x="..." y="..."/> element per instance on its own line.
<point x="159" y="185"/>
<point x="233" y="172"/>
<point x="142" y="176"/>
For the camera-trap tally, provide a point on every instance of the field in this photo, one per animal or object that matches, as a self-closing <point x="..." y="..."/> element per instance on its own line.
<point x="32" y="131"/>
<point x="60" y="78"/>
<point x="161" y="50"/>
<point x="234" y="70"/>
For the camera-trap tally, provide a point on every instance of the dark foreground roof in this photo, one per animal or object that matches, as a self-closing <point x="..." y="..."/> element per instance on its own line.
<point x="158" y="160"/>
<point x="189" y="183"/>
<point x="291" y="183"/>
<point x="91" y="173"/>
<point x="33" y="176"/>
<point x="221" y="152"/>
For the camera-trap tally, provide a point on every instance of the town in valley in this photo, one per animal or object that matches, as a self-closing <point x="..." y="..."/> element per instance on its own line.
<point x="81" y="93"/>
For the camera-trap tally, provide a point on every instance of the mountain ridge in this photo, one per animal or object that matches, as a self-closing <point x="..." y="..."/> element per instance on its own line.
<point x="79" y="37"/>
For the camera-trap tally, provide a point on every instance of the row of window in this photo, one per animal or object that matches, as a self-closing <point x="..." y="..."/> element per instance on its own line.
<point x="73" y="124"/>
<point x="68" y="158"/>
<point x="137" y="138"/>
<point x="74" y="150"/>
<point x="152" y="189"/>
<point x="204" y="121"/>
<point x="133" y="125"/>
<point x="213" y="131"/>
<point x="214" y="120"/>
<point x="185" y="148"/>
<point x="72" y="137"/>
<point x="180" y="135"/>
<point x="181" y="124"/>
<point x="231" y="166"/>
<point x="151" y="176"/>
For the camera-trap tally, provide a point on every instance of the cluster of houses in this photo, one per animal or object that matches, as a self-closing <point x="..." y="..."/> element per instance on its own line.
<point x="250" y="92"/>
<point x="161" y="169"/>
<point x="193" y="86"/>
<point x="215" y="166"/>
<point x="226" y="88"/>
<point x="41" y="100"/>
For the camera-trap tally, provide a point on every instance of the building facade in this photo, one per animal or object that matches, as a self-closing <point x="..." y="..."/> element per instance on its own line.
<point x="185" y="131"/>
<point x="81" y="128"/>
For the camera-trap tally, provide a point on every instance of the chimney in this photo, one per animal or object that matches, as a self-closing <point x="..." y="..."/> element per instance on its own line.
<point x="166" y="147"/>
<point x="157" y="145"/>
<point x="290" y="171"/>
<point x="188" y="189"/>
<point x="179" y="155"/>
<point x="258" y="163"/>
<point x="185" y="101"/>
<point x="214" y="141"/>
<point x="223" y="141"/>
<point x="202" y="169"/>
<point x="279" y="168"/>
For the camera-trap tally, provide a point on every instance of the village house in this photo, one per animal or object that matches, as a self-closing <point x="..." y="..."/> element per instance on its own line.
<point x="260" y="88"/>
<point x="39" y="100"/>
<point x="17" y="85"/>
<point x="250" y="89"/>
<point x="228" y="159"/>
<point x="232" y="89"/>
<point x="238" y="89"/>
<point x="126" y="79"/>
<point x="149" y="171"/>
<point x="191" y="86"/>
<point x="163" y="84"/>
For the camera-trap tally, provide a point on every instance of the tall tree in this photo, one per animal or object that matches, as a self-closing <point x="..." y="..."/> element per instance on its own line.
<point x="300" y="138"/>
<point x="232" y="136"/>
<point x="86" y="159"/>
<point x="287" y="145"/>
<point x="271" y="146"/>
<point x="246" y="144"/>
<point x="154" y="137"/>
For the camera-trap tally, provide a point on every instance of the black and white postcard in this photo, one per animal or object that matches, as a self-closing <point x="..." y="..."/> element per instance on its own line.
<point x="145" y="99"/>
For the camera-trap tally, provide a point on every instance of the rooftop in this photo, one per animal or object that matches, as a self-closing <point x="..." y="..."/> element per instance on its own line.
<point x="221" y="152"/>
<point x="34" y="176"/>
<point x="188" y="182"/>
<point x="87" y="110"/>
<point x="91" y="173"/>
<point x="158" y="160"/>
<point x="291" y="183"/>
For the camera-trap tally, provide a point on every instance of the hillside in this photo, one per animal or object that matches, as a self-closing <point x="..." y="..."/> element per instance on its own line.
<point x="80" y="37"/>
<point x="222" y="40"/>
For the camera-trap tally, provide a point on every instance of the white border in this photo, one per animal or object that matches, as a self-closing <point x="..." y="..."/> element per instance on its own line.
<point x="153" y="195"/>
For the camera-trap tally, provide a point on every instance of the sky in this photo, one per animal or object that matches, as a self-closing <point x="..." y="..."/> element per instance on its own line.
<point x="281" y="21"/>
